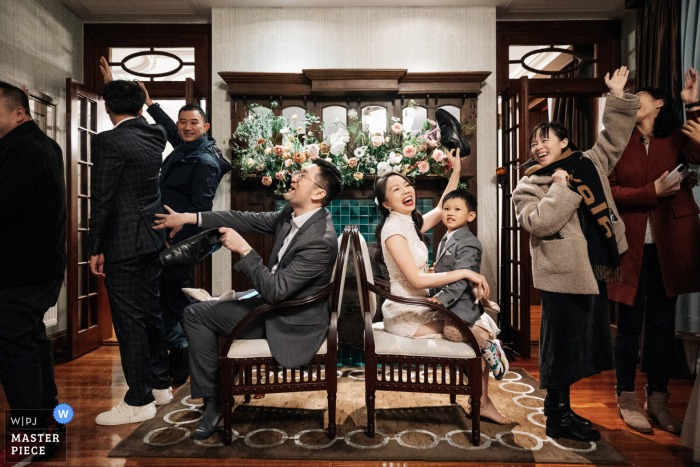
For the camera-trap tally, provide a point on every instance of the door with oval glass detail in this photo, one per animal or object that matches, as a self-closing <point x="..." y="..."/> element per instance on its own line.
<point x="89" y="320"/>
<point x="515" y="250"/>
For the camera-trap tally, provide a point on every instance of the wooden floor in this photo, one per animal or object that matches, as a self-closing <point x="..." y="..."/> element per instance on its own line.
<point x="94" y="383"/>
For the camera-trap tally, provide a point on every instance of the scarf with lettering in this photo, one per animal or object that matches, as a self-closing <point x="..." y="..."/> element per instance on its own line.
<point x="594" y="214"/>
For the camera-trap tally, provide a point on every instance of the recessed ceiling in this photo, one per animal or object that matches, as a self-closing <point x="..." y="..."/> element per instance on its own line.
<point x="97" y="11"/>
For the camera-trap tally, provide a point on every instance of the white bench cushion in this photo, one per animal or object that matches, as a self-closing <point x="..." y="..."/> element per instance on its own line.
<point x="391" y="344"/>
<point x="257" y="348"/>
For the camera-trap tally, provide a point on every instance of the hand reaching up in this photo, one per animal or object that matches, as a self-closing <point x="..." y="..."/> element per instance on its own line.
<point x="689" y="94"/>
<point x="617" y="83"/>
<point x="106" y="70"/>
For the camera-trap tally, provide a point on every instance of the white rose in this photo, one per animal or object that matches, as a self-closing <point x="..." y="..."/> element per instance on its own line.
<point x="395" y="158"/>
<point x="382" y="168"/>
<point x="337" y="149"/>
<point x="377" y="140"/>
<point x="250" y="162"/>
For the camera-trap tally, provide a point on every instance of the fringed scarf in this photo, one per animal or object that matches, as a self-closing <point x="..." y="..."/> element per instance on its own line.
<point x="595" y="215"/>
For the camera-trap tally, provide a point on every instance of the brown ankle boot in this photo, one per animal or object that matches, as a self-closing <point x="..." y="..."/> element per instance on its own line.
<point x="656" y="406"/>
<point x="630" y="413"/>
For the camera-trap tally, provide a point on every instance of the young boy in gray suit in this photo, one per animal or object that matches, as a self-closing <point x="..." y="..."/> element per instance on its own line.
<point x="460" y="249"/>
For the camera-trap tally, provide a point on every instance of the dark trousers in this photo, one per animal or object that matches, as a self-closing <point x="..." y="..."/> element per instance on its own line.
<point x="656" y="313"/>
<point x="173" y="302"/>
<point x="26" y="363"/>
<point x="132" y="289"/>
<point x="204" y="323"/>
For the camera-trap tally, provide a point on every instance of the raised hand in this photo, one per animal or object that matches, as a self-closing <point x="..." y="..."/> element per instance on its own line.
<point x="617" y="83"/>
<point x="689" y="94"/>
<point x="149" y="102"/>
<point x="106" y="70"/>
<point x="455" y="160"/>
<point x="692" y="129"/>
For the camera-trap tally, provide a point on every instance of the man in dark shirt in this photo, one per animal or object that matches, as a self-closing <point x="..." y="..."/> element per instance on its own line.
<point x="188" y="182"/>
<point x="32" y="255"/>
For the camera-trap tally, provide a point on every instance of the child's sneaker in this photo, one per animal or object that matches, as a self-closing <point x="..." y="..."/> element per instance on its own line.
<point x="495" y="358"/>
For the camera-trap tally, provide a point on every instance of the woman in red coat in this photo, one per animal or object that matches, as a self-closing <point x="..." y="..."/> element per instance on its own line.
<point x="663" y="259"/>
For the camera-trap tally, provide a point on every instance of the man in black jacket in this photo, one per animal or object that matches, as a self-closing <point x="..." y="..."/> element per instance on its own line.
<point x="188" y="182"/>
<point x="124" y="248"/>
<point x="32" y="254"/>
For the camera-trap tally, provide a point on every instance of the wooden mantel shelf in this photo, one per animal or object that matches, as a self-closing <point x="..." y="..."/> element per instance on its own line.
<point x="354" y="82"/>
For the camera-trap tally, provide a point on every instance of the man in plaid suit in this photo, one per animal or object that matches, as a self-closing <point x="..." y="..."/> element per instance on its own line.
<point x="124" y="248"/>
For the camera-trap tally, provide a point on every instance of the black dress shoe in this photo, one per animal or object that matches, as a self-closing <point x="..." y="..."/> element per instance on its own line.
<point x="191" y="251"/>
<point x="579" y="419"/>
<point x="451" y="133"/>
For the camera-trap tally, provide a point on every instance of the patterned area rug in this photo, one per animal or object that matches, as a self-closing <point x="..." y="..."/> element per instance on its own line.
<point x="409" y="427"/>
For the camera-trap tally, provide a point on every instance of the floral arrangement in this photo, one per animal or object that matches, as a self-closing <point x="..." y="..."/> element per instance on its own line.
<point x="274" y="147"/>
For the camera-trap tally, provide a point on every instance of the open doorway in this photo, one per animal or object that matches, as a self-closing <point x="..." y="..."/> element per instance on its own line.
<point x="546" y="71"/>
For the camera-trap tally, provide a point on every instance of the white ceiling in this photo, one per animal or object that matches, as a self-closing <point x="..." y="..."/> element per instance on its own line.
<point x="95" y="11"/>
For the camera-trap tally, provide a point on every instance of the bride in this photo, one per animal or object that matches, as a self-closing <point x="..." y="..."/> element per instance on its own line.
<point x="404" y="250"/>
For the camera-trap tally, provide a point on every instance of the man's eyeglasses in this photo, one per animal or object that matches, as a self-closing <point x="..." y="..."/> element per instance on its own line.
<point x="301" y="175"/>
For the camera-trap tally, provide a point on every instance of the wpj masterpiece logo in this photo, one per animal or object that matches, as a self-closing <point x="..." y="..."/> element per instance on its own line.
<point x="37" y="435"/>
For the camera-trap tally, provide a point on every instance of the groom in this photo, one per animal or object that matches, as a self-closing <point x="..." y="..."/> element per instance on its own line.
<point x="301" y="264"/>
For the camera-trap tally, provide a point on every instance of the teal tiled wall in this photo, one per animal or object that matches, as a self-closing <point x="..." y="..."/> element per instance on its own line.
<point x="364" y="214"/>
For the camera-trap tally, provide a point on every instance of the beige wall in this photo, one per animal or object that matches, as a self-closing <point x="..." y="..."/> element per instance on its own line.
<point x="41" y="46"/>
<point x="419" y="39"/>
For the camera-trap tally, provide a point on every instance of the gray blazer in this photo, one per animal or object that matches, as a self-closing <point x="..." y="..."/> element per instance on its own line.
<point x="294" y="334"/>
<point x="462" y="251"/>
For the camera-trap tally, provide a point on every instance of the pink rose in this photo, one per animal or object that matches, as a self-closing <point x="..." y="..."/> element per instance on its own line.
<point x="288" y="162"/>
<point x="279" y="150"/>
<point x="396" y="128"/>
<point x="266" y="180"/>
<point x="352" y="162"/>
<point x="424" y="167"/>
<point x="313" y="150"/>
<point x="409" y="151"/>
<point x="280" y="175"/>
<point x="377" y="140"/>
<point x="438" y="155"/>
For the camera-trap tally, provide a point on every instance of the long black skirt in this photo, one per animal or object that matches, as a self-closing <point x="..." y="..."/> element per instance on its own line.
<point x="574" y="337"/>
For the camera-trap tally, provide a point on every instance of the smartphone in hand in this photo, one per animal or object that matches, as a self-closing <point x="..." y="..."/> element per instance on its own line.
<point x="677" y="175"/>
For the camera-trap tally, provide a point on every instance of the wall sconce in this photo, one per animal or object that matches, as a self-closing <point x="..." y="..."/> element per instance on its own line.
<point x="501" y="174"/>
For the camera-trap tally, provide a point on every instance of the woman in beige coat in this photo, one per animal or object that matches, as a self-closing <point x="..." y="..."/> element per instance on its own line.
<point x="576" y="237"/>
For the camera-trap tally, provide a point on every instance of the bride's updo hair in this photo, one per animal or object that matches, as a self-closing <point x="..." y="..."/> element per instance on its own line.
<point x="380" y="193"/>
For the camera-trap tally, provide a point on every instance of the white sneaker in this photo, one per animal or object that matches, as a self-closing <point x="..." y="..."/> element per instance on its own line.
<point x="125" y="413"/>
<point x="163" y="396"/>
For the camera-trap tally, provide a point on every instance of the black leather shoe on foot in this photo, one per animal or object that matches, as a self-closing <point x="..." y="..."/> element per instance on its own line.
<point x="579" y="419"/>
<point x="207" y="426"/>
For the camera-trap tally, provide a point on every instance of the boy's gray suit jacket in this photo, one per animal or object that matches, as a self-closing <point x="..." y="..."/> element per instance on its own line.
<point x="462" y="251"/>
<point x="294" y="333"/>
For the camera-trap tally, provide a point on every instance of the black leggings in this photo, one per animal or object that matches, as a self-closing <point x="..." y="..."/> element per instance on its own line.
<point x="656" y="313"/>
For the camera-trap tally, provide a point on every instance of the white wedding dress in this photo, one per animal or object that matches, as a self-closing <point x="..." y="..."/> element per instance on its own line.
<point x="399" y="319"/>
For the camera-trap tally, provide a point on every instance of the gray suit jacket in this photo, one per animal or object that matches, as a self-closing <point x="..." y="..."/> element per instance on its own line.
<point x="462" y="251"/>
<point x="296" y="333"/>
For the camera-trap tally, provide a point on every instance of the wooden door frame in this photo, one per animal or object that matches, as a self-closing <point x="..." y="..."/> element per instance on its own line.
<point x="81" y="341"/>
